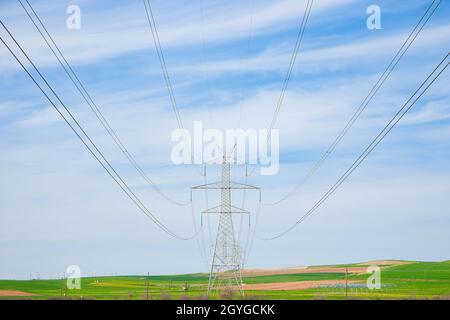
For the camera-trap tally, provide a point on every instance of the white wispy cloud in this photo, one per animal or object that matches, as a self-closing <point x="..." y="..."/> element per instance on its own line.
<point x="433" y="111"/>
<point x="93" y="42"/>
<point x="60" y="201"/>
<point x="327" y="57"/>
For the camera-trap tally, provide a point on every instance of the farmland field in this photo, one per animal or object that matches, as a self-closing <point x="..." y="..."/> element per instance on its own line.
<point x="399" y="280"/>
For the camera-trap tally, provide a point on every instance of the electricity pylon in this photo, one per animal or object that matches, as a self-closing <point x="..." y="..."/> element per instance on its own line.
<point x="225" y="272"/>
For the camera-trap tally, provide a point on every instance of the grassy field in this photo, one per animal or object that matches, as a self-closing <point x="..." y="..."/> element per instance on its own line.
<point x="415" y="280"/>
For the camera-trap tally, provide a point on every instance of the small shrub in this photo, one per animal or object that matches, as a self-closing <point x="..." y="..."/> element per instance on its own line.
<point x="227" y="294"/>
<point x="166" y="296"/>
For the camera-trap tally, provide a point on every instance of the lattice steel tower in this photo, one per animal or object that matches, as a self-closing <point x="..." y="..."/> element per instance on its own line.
<point x="227" y="258"/>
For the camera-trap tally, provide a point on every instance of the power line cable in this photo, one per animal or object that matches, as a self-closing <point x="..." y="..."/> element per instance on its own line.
<point x="298" y="42"/>
<point x="92" y="105"/>
<point x="247" y="54"/>
<point x="208" y="90"/>
<point x="251" y="235"/>
<point x="89" y="144"/>
<point x="291" y="64"/>
<point x="438" y="70"/>
<point x="200" y="243"/>
<point x="205" y="58"/>
<point x="376" y="87"/>
<point x="243" y="89"/>
<point x="162" y="62"/>
<point x="208" y="217"/>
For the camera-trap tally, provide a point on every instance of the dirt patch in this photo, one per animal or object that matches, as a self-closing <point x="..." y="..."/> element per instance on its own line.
<point x="384" y="263"/>
<point x="338" y="270"/>
<point x="268" y="272"/>
<point x="15" y="293"/>
<point x="296" y="285"/>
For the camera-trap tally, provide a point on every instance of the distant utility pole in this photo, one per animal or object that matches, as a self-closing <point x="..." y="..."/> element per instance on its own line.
<point x="346" y="283"/>
<point x="146" y="285"/>
<point x="225" y="272"/>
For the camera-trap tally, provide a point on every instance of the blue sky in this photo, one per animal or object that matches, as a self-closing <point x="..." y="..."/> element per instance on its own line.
<point x="59" y="208"/>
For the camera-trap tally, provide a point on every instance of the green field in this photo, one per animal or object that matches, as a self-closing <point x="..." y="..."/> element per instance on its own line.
<point x="415" y="280"/>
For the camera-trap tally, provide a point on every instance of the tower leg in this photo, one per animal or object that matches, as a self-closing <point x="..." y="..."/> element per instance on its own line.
<point x="226" y="266"/>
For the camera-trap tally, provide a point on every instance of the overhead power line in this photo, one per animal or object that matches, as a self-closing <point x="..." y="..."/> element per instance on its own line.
<point x="251" y="235"/>
<point x="84" y="137"/>
<point x="298" y="42"/>
<point x="241" y="107"/>
<point x="247" y="54"/>
<point x="432" y="77"/>
<point x="89" y="100"/>
<point x="376" y="87"/>
<point x="205" y="58"/>
<point x="162" y="61"/>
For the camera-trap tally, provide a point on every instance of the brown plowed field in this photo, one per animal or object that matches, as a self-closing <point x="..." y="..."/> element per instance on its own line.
<point x="296" y="285"/>
<point x="15" y="293"/>
<point x="268" y="272"/>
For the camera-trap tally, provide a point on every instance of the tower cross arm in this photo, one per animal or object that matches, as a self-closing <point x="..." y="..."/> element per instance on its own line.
<point x="218" y="185"/>
<point x="233" y="209"/>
